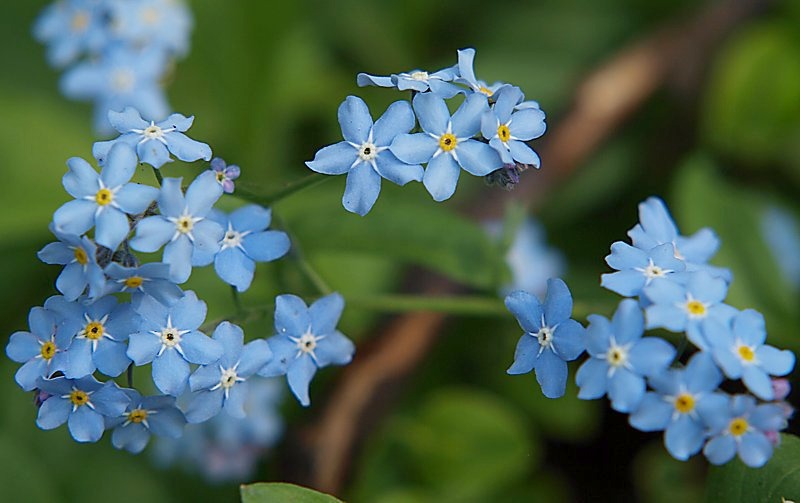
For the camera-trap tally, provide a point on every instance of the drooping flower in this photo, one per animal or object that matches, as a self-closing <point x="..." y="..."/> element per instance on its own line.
<point x="306" y="340"/>
<point x="621" y="358"/>
<point x="157" y="415"/>
<point x="225" y="174"/>
<point x="78" y="255"/>
<point x="41" y="350"/>
<point x="637" y="268"/>
<point x="153" y="141"/>
<point x="446" y="144"/>
<point x="438" y="83"/>
<point x="507" y="130"/>
<point x="364" y="154"/>
<point x="551" y="337"/>
<point x="223" y="384"/>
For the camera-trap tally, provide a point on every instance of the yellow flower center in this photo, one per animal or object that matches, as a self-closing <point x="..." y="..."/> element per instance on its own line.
<point x="616" y="357"/>
<point x="103" y="197"/>
<point x="48" y="350"/>
<point x="220" y="176"/>
<point x="696" y="308"/>
<point x="447" y="142"/>
<point x="78" y="398"/>
<point x="137" y="415"/>
<point x="81" y="257"/>
<point x="228" y="378"/>
<point x="684" y="403"/>
<point x="746" y="353"/>
<point x="79" y="22"/>
<point x="738" y="427"/>
<point x="185" y="224"/>
<point x="150" y="15"/>
<point x="93" y="330"/>
<point x="423" y="76"/>
<point x="503" y="133"/>
<point x="134" y="282"/>
<point x="485" y="90"/>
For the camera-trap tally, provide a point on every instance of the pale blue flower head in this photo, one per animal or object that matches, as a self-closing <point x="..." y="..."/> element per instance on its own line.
<point x="169" y="338"/>
<point x="147" y="279"/>
<point x="103" y="200"/>
<point x="621" y="358"/>
<point x="446" y="144"/>
<point x="153" y="141"/>
<point x="223" y="385"/>
<point x="78" y="255"/>
<point x="306" y="339"/>
<point x="71" y="28"/>
<point x="507" y="130"/>
<point x="531" y="261"/>
<point x="438" y="83"/>
<point x="182" y="225"/>
<point x="551" y="337"/>
<point x="742" y="428"/>
<point x="364" y="154"/>
<point x="156" y="415"/>
<point x="41" y="350"/>
<point x="738" y="348"/>
<point x="81" y="403"/>
<point x="161" y="23"/>
<point x="637" y="268"/>
<point x="683" y="402"/>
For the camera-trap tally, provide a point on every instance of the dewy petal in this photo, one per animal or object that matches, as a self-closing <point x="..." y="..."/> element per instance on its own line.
<point x="478" y="158"/>
<point x="86" y="425"/>
<point x="527" y="309"/>
<point x="592" y="379"/>
<point x="397" y="171"/>
<point x="120" y="165"/>
<point x="112" y="228"/>
<point x="187" y="149"/>
<point x="432" y="114"/>
<point x="299" y="377"/>
<point x="335" y="349"/>
<point x="291" y="316"/>
<point x="414" y="148"/>
<point x="362" y="189"/>
<point x="467" y="119"/>
<point x="334" y="159"/>
<point x="81" y="179"/>
<point x="325" y="314"/>
<point x="441" y="177"/>
<point x="75" y="217"/>
<point x="524" y="355"/>
<point x="398" y="119"/>
<point x="134" y="198"/>
<point x="558" y="302"/>
<point x="355" y="120"/>
<point x="170" y="372"/>
<point x="266" y="246"/>
<point x="684" y="437"/>
<point x="551" y="373"/>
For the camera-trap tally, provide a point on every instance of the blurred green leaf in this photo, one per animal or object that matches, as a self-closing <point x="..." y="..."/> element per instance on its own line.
<point x="277" y="492"/>
<point x="661" y="478"/>
<point x="779" y="478"/>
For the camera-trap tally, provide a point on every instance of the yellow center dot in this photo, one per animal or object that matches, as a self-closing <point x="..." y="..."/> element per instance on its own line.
<point x="738" y="427"/>
<point x="503" y="133"/>
<point x="684" y="403"/>
<point x="48" y="350"/>
<point x="150" y="16"/>
<point x="616" y="357"/>
<point x="134" y="282"/>
<point x="696" y="308"/>
<point x="81" y="257"/>
<point x="746" y="353"/>
<point x="220" y="176"/>
<point x="94" y="330"/>
<point x="447" y="142"/>
<point x="137" y="415"/>
<point x="103" y="197"/>
<point x="78" y="398"/>
<point x="79" y="22"/>
<point x="185" y="225"/>
<point x="485" y="90"/>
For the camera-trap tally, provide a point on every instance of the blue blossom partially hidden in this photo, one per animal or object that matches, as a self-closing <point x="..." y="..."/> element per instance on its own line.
<point x="41" y="350"/>
<point x="147" y="279"/>
<point x="306" y="339"/>
<point x="156" y="415"/>
<point x="466" y="59"/>
<point x="438" y="83"/>
<point x="507" y="130"/>
<point x="551" y="337"/>
<point x="781" y="231"/>
<point x="78" y="255"/>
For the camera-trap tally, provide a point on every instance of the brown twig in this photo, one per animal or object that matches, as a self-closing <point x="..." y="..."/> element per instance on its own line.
<point x="606" y="99"/>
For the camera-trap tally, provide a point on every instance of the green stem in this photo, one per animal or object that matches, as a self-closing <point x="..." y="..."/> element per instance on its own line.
<point x="248" y="194"/>
<point x="158" y="176"/>
<point x="237" y="302"/>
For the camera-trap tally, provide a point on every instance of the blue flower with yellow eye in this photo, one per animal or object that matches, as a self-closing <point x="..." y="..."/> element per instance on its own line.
<point x="162" y="23"/>
<point x="147" y="279"/>
<point x="78" y="255"/>
<point x="69" y="29"/>
<point x="41" y="350"/>
<point x="157" y="415"/>
<point x="507" y="130"/>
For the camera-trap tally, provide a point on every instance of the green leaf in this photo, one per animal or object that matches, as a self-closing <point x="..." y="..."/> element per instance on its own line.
<point x="269" y="492"/>
<point x="779" y="478"/>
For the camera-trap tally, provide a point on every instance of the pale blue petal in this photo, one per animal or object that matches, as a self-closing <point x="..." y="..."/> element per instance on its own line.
<point x="299" y="377"/>
<point x="56" y="253"/>
<point x="651" y="355"/>
<point x="653" y="414"/>
<point x="235" y="268"/>
<point x="152" y="233"/>
<point x="467" y="119"/>
<point x="203" y="192"/>
<point x="86" y="425"/>
<point x="335" y="349"/>
<point x="506" y="99"/>
<point x="750" y="327"/>
<point x="551" y="373"/>
<point x="363" y="79"/>
<point x="187" y="149"/>
<point x="205" y="377"/>
<point x="432" y="114"/>
<point x="325" y="314"/>
<point x="415" y="148"/>
<point x="126" y="120"/>
<point x="153" y="152"/>
<point x="398" y="119"/>
<point x="700" y="246"/>
<point x="557" y="303"/>
<point x="524" y="355"/>
<point x="170" y="372"/>
<point x="362" y="189"/>
<point x="701" y="374"/>
<point x="255" y="355"/>
<point x="169" y="422"/>
<point x="53" y="413"/>
<point x="133" y="438"/>
<point x="666" y="316"/>
<point x="625" y="390"/>
<point x="75" y="217"/>
<point x="719" y="450"/>
<point x="207" y="236"/>
<point x="591" y="379"/>
<point x="171" y="201"/>
<point x="134" y="198"/>
<point x="627" y="283"/>
<point x="478" y="158"/>
<point x="707" y="288"/>
<point x="266" y="246"/>
<point x="178" y="121"/>
<point x="628" y="322"/>
<point x="291" y="316"/>
<point x="334" y="159"/>
<point x="598" y="334"/>
<point x="110" y="357"/>
<point x="112" y="228"/>
<point x="143" y="347"/>
<point x="755" y="450"/>
<point x="22" y="346"/>
<point x="527" y="124"/>
<point x="120" y="165"/>
<point x="684" y="437"/>
<point x="522" y="153"/>
<point x="201" y="349"/>
<point x="355" y="120"/>
<point x="178" y="254"/>
<point x="283" y="351"/>
<point x="204" y="405"/>
<point x="775" y="361"/>
<point x="27" y="376"/>
<point x="237" y="396"/>
<point x="527" y="309"/>
<point x="81" y="179"/>
<point x="568" y="340"/>
<point x="250" y="218"/>
<point x="395" y="170"/>
<point x="79" y="359"/>
<point x="441" y="177"/>
<point x="758" y="382"/>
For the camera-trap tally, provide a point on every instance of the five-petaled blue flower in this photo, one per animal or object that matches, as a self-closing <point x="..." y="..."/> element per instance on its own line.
<point x="637" y="268"/>
<point x="41" y="350"/>
<point x="306" y="340"/>
<point x="169" y="337"/>
<point x="507" y="130"/>
<point x="147" y="279"/>
<point x="82" y="404"/>
<point x="153" y="141"/>
<point x="438" y="83"/>
<point x="223" y="384"/>
<point x="466" y="72"/>
<point x="447" y="144"/>
<point x="145" y="415"/>
<point x="78" y="255"/>
<point x="621" y="358"/>
<point x="364" y="154"/>
<point x="225" y="174"/>
<point x="551" y="338"/>
<point x="103" y="200"/>
<point x="182" y="224"/>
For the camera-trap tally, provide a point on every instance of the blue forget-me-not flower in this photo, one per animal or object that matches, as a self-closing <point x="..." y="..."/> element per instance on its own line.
<point x="225" y="174"/>
<point x="41" y="351"/>
<point x="147" y="279"/>
<point x="507" y="130"/>
<point x="78" y="255"/>
<point x="438" y="83"/>
<point x="637" y="268"/>
<point x="157" y="415"/>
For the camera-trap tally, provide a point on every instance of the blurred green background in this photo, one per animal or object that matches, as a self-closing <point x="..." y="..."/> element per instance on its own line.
<point x="264" y="81"/>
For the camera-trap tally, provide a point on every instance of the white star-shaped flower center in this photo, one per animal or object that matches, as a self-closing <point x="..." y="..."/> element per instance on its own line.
<point x="367" y="151"/>
<point x="695" y="308"/>
<point x="233" y="238"/>
<point x="94" y="330"/>
<point x="745" y="353"/>
<point x="616" y="356"/>
<point x="170" y="337"/>
<point x="184" y="224"/>
<point x="306" y="344"/>
<point x="653" y="271"/>
<point x="227" y="379"/>
<point x="153" y="132"/>
<point x="545" y="337"/>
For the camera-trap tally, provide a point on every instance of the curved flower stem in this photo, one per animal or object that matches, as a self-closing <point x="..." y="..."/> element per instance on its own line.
<point x="160" y="178"/>
<point x="296" y="254"/>
<point x="252" y="195"/>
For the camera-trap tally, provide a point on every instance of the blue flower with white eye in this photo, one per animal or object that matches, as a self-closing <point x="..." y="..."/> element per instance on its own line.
<point x="551" y="337"/>
<point x="621" y="358"/>
<point x="78" y="255"/>
<point x="169" y="337"/>
<point x="69" y="29"/>
<point x="182" y="224"/>
<point x="225" y="174"/>
<point x="156" y="415"/>
<point x="41" y="350"/>
<point x="82" y="404"/>
<point x="161" y="23"/>
<point x="683" y="402"/>
<point x="99" y="333"/>
<point x="637" y="268"/>
<point x="245" y="242"/>
<point x="103" y="200"/>
<point x="153" y="141"/>
<point x="741" y="428"/>
<point x="364" y="154"/>
<point x="438" y="83"/>
<point x="147" y="279"/>
<point x="738" y="348"/>
<point x="680" y="308"/>
<point x="466" y="59"/>
<point x="223" y="384"/>
<point x="508" y="130"/>
<point x="306" y="340"/>
<point x="446" y="144"/>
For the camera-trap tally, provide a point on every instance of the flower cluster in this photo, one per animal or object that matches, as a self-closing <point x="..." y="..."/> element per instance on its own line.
<point x="487" y="133"/>
<point x="669" y="285"/>
<point x="116" y="52"/>
<point x="115" y="312"/>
